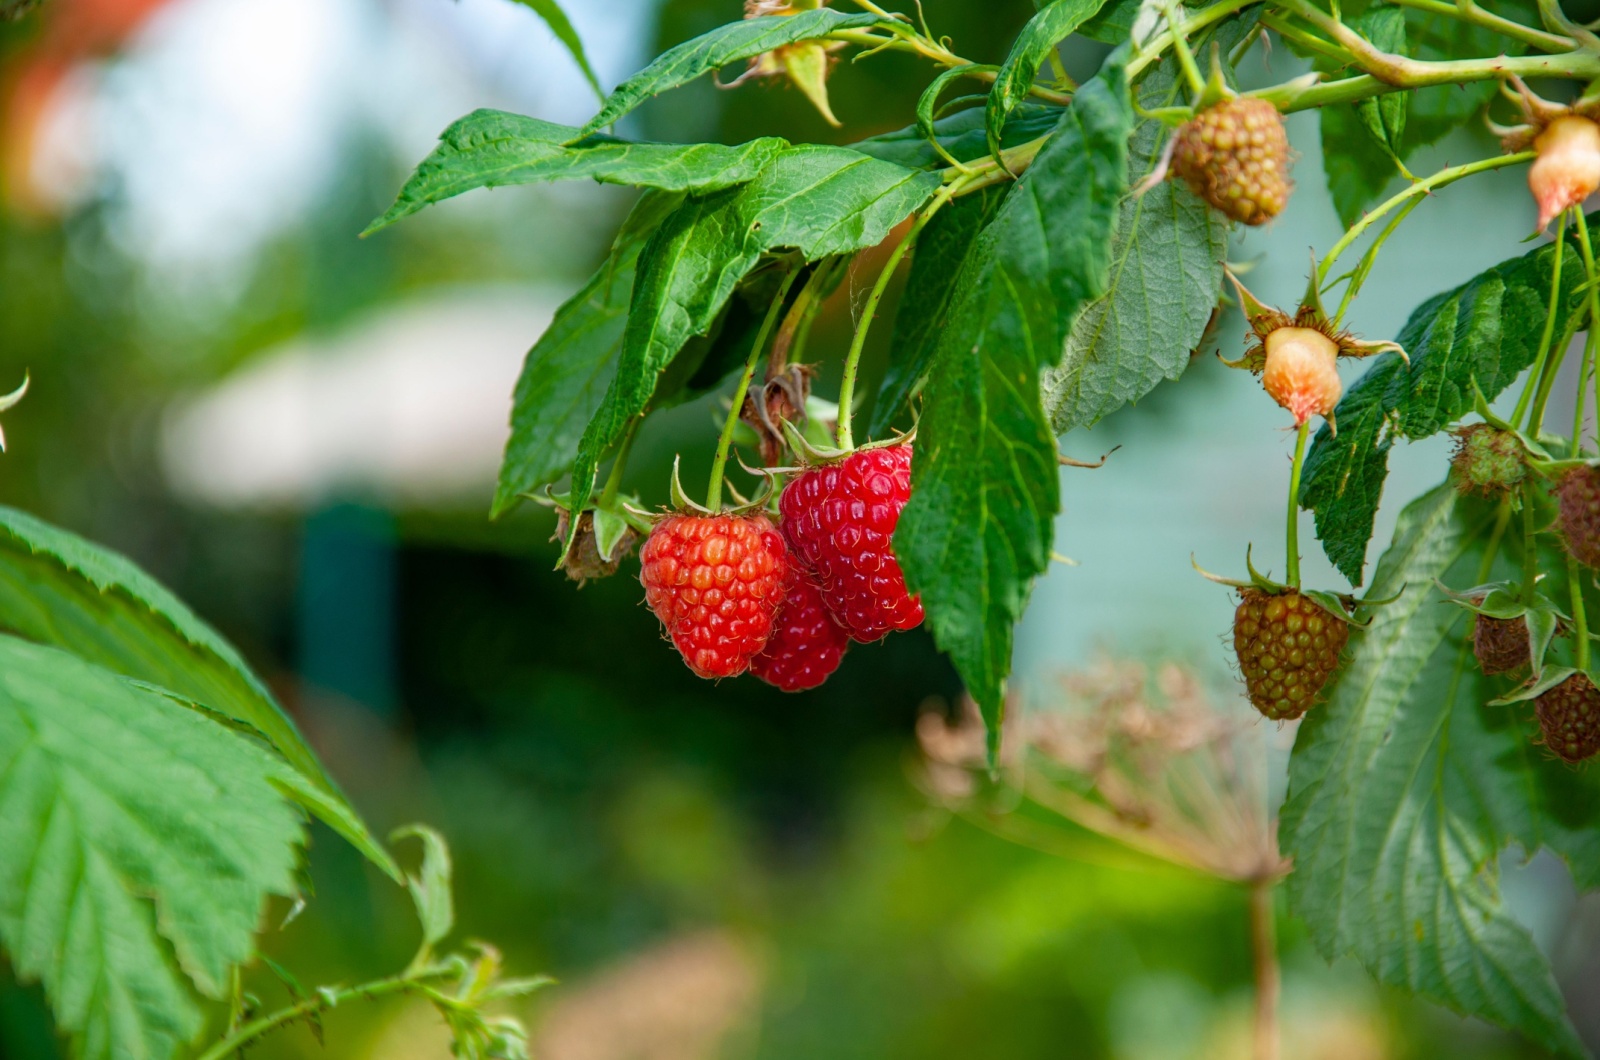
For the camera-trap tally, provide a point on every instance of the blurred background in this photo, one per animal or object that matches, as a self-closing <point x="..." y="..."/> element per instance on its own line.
<point x="299" y="430"/>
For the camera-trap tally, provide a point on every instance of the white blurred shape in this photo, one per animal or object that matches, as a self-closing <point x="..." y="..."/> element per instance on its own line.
<point x="409" y="406"/>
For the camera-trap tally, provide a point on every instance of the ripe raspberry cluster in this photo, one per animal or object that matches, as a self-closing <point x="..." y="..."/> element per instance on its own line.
<point x="735" y="595"/>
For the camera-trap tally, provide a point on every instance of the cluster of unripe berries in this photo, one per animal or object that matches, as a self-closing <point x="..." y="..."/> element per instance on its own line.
<point x="735" y="593"/>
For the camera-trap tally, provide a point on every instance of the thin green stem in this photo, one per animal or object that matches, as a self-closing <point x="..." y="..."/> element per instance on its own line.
<point x="852" y="361"/>
<point x="719" y="466"/>
<point x="1305" y="93"/>
<point x="1530" y="551"/>
<point x="1359" y="276"/>
<point x="1180" y="47"/>
<point x="910" y="42"/>
<point x="1467" y="11"/>
<point x="323" y="999"/>
<point x="1292" y="530"/>
<point x="1440" y="179"/>
<point x="1581" y="223"/>
<point x="614" y="480"/>
<point x="1580" y="622"/>
<point x="1309" y="41"/>
<point x="1537" y="374"/>
<point x="1197" y="21"/>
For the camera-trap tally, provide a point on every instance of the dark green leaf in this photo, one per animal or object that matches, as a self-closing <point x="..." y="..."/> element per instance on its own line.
<point x="714" y="50"/>
<point x="1166" y="276"/>
<point x="1487" y="330"/>
<point x="1362" y="141"/>
<point x="567" y="371"/>
<point x="138" y="844"/>
<point x="1114" y="22"/>
<point x="57" y="588"/>
<point x="1405" y="788"/>
<point x="980" y="521"/>
<point x="490" y="149"/>
<point x="937" y="262"/>
<point x="961" y="134"/>
<point x="561" y="26"/>
<point x="819" y="201"/>
<point x="1053" y="24"/>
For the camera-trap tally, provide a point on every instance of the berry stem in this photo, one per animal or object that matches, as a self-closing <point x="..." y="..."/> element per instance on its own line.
<point x="1293" y="527"/>
<point x="1580" y="624"/>
<point x="1467" y="11"/>
<point x="1448" y="175"/>
<point x="1582" y="225"/>
<point x="614" y="480"/>
<point x="1180" y="47"/>
<point x="1264" y="950"/>
<point x="852" y="361"/>
<point x="1530" y="549"/>
<point x="725" y="442"/>
<point x="1543" y="355"/>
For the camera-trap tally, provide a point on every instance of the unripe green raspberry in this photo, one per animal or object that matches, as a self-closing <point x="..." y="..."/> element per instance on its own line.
<point x="1488" y="460"/>
<point x="1235" y="156"/>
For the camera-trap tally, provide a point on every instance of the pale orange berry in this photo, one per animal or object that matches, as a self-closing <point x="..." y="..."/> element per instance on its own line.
<point x="1300" y="371"/>
<point x="1567" y="170"/>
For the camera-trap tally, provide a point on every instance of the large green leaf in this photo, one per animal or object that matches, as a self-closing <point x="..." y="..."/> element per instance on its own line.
<point x="1405" y="787"/>
<point x="567" y="371"/>
<point x="1485" y="331"/>
<point x="57" y="588"/>
<point x="714" y="50"/>
<point x="980" y="522"/>
<point x="561" y="26"/>
<point x="1053" y="24"/>
<point x="139" y="841"/>
<point x="936" y="264"/>
<point x="1166" y="276"/>
<point x="961" y="134"/>
<point x="490" y="148"/>
<point x="819" y="201"/>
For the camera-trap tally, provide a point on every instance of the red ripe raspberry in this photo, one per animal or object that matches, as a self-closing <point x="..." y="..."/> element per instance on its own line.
<point x="715" y="581"/>
<point x="839" y="520"/>
<point x="807" y="644"/>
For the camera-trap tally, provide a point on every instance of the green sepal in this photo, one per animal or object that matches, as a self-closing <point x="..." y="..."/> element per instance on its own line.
<point x="1480" y="405"/>
<point x="624" y="510"/>
<point x="1342" y="606"/>
<point x="1537" y="687"/>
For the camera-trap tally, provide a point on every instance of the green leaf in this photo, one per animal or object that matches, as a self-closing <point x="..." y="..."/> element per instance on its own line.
<point x="567" y="371"/>
<point x="937" y="262"/>
<point x="980" y="522"/>
<point x="1485" y="331"/>
<point x="1166" y="277"/>
<point x="1361" y="142"/>
<point x="714" y="50"/>
<point x="1404" y="788"/>
<point x="138" y="844"/>
<point x="57" y="588"/>
<point x="490" y="149"/>
<point x="561" y="26"/>
<point x="1113" y="23"/>
<point x="430" y="885"/>
<point x="961" y="134"/>
<point x="818" y="201"/>
<point x="1053" y="24"/>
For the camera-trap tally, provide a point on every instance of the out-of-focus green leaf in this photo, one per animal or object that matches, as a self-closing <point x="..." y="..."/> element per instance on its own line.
<point x="567" y="371"/>
<point x="1485" y="331"/>
<point x="1053" y="24"/>
<point x="430" y="885"/>
<point x="818" y="201"/>
<point x="1166" y="276"/>
<point x="714" y="50"/>
<point x="561" y="26"/>
<point x="1405" y="788"/>
<point x="490" y="149"/>
<point x="138" y="844"/>
<point x="936" y="264"/>
<point x="980" y="521"/>
<point x="961" y="134"/>
<point x="57" y="588"/>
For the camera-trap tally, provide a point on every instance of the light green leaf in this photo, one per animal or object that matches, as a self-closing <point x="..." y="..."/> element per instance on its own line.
<point x="561" y="26"/>
<point x="980" y="522"/>
<point x="1485" y="332"/>
<point x="138" y="844"/>
<point x="714" y="50"/>
<point x="57" y="588"/>
<point x="1166" y="277"/>
<point x="818" y="201"/>
<point x="1053" y="24"/>
<point x="937" y="262"/>
<point x="490" y="149"/>
<point x="430" y="885"/>
<point x="567" y="371"/>
<point x="1405" y="788"/>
